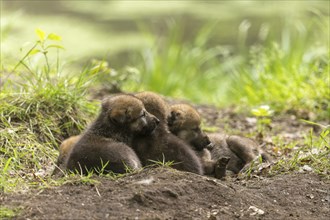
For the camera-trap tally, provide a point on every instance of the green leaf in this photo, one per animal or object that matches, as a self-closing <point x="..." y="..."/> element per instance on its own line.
<point x="55" y="46"/>
<point x="262" y="111"/>
<point x="7" y="165"/>
<point x="53" y="36"/>
<point x="41" y="34"/>
<point x="34" y="51"/>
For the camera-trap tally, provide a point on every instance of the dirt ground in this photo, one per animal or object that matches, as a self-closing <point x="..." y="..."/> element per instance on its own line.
<point x="165" y="193"/>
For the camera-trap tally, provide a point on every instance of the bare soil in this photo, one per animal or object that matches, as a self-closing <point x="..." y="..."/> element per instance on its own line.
<point x="165" y="193"/>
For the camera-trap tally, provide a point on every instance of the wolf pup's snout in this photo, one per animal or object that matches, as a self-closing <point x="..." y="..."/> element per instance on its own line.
<point x="151" y="123"/>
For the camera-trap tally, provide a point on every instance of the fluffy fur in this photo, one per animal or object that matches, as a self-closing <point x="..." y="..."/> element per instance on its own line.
<point x="105" y="145"/>
<point x="162" y="145"/>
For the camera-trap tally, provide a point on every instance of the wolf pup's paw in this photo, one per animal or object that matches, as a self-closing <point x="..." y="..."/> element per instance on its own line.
<point x="220" y="167"/>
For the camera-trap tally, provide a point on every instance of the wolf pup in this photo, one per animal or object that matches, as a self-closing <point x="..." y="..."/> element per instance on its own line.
<point x="227" y="152"/>
<point x="241" y="150"/>
<point x="105" y="144"/>
<point x="161" y="145"/>
<point x="185" y="122"/>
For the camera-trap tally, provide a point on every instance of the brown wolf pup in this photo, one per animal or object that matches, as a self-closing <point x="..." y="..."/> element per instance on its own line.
<point x="161" y="145"/>
<point x="246" y="149"/>
<point x="221" y="149"/>
<point x="105" y="144"/>
<point x="184" y="121"/>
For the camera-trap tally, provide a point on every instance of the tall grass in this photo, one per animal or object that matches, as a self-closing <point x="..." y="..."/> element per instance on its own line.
<point x="186" y="69"/>
<point x="280" y="72"/>
<point x="290" y="74"/>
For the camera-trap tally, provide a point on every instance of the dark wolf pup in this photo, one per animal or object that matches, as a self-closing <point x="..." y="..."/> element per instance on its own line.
<point x="161" y="145"/>
<point x="105" y="145"/>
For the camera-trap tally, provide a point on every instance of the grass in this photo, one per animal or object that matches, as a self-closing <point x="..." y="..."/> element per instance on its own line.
<point x="161" y="163"/>
<point x="179" y="68"/>
<point x="35" y="117"/>
<point x="284" y="84"/>
<point x="281" y="73"/>
<point x="312" y="156"/>
<point x="6" y="213"/>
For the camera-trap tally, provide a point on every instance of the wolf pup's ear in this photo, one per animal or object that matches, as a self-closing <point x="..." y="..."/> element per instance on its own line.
<point x="172" y="117"/>
<point x="106" y="103"/>
<point x="118" y="116"/>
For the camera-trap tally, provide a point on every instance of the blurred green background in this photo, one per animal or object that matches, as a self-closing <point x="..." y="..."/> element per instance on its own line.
<point x="219" y="52"/>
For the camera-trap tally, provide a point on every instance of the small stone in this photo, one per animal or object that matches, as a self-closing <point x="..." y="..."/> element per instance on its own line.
<point x="256" y="211"/>
<point x="311" y="196"/>
<point x="251" y="121"/>
<point x="214" y="211"/>
<point x="307" y="168"/>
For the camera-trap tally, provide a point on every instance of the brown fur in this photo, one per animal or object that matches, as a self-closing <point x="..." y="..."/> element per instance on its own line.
<point x="221" y="149"/>
<point x="241" y="150"/>
<point x="184" y="121"/>
<point x="246" y="149"/>
<point x="108" y="139"/>
<point x="162" y="145"/>
<point x="65" y="148"/>
<point x="206" y="160"/>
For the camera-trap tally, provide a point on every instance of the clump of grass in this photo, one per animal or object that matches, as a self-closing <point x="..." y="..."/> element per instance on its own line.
<point x="161" y="163"/>
<point x="73" y="179"/>
<point x="31" y="129"/>
<point x="38" y="110"/>
<point x="6" y="212"/>
<point x="312" y="156"/>
<point x="291" y="74"/>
